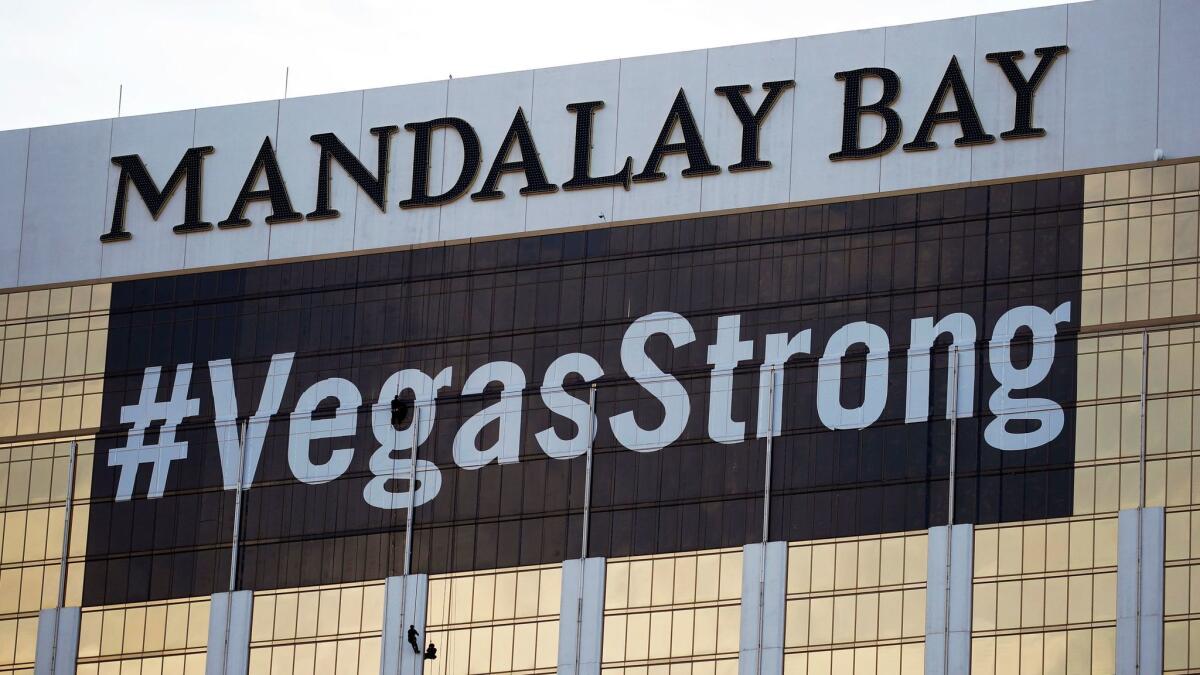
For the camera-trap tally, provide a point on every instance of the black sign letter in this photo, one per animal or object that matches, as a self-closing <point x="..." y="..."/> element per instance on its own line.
<point x="853" y="109"/>
<point x="133" y="170"/>
<point x="964" y="114"/>
<point x="752" y="122"/>
<point x="530" y="163"/>
<point x="281" y="204"/>
<point x="375" y="186"/>
<point x="582" y="177"/>
<point x="693" y="145"/>
<point x="1025" y="89"/>
<point x="420" y="182"/>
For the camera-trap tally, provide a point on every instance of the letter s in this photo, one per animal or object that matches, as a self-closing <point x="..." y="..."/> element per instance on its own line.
<point x="669" y="392"/>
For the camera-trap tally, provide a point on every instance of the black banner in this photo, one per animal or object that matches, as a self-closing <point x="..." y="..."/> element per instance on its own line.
<point x="862" y="446"/>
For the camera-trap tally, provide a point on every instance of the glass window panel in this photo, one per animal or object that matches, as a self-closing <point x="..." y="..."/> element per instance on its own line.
<point x="662" y="583"/>
<point x="524" y="655"/>
<point x="820" y="626"/>
<point x="547" y="645"/>
<point x="262" y="618"/>
<point x="866" y="617"/>
<point x="682" y="623"/>
<point x="528" y="585"/>
<point x="799" y="568"/>
<point x="731" y="576"/>
<point x="983" y="607"/>
<point x="112" y="630"/>
<point x="843" y="618"/>
<point x="307" y="613"/>
<point x="350" y="610"/>
<point x="613" y="649"/>
<point x="197" y="634"/>
<point x="372" y="608"/>
<point x="483" y="595"/>
<point x="637" y="635"/>
<point x="616" y="585"/>
<point x="914" y="613"/>
<point x="550" y="592"/>
<point x="285" y="616"/>
<point x="684" y="579"/>
<point x="796" y="623"/>
<point x="660" y="635"/>
<point x="156" y="628"/>
<point x="506" y="596"/>
<point x="317" y="613"/>
<point x="708" y="578"/>
<point x="822" y="567"/>
<point x="705" y="631"/>
<point x="868" y="563"/>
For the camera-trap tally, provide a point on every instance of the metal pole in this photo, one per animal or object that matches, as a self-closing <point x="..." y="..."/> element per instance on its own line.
<point x="587" y="471"/>
<point x="762" y="562"/>
<point x="952" y="413"/>
<point x="1142" y="423"/>
<point x="243" y="428"/>
<point x="408" y="517"/>
<point x="587" y="505"/>
<point x="767" y="471"/>
<point x="1141" y="498"/>
<point x="66" y="544"/>
<point x="412" y="491"/>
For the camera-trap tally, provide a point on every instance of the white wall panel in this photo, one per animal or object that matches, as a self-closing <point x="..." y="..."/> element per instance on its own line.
<point x="299" y="161"/>
<point x="399" y="106"/>
<point x="580" y="637"/>
<point x="161" y="141"/>
<point x="57" y="641"/>
<point x="229" y="633"/>
<point x="1179" y="85"/>
<point x="920" y="54"/>
<point x="648" y="88"/>
<point x="996" y="101"/>
<point x="1112" y="82"/>
<point x="752" y="65"/>
<point x="554" y="130"/>
<point x="763" y="608"/>
<point x="64" y="203"/>
<point x="948" y="599"/>
<point x="488" y="104"/>
<point x="236" y="132"/>
<point x="14" y="153"/>
<point x="817" y="123"/>
<point x="405" y="601"/>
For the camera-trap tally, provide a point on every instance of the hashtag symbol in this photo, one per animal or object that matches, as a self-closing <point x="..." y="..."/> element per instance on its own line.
<point x="142" y="415"/>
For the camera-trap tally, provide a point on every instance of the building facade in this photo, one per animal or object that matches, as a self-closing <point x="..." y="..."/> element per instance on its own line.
<point x="873" y="352"/>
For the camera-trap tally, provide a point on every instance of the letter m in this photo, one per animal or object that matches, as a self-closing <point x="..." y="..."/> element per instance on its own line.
<point x="133" y="170"/>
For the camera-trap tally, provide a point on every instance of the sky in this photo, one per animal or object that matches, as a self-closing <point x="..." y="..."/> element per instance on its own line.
<point x="66" y="60"/>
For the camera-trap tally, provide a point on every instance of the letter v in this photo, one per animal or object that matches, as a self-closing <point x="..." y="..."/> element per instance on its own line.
<point x="220" y="374"/>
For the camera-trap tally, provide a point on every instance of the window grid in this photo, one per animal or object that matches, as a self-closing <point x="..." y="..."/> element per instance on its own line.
<point x="173" y="634"/>
<point x="325" y="629"/>
<point x="504" y="621"/>
<point x="680" y="611"/>
<point x="856" y="605"/>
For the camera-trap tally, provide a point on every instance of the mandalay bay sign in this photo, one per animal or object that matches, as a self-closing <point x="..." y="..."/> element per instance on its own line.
<point x="952" y="104"/>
